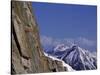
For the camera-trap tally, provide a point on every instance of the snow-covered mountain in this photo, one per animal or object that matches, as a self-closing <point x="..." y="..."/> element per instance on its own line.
<point x="75" y="56"/>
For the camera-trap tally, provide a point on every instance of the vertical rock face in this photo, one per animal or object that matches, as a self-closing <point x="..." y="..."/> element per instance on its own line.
<point x="27" y="54"/>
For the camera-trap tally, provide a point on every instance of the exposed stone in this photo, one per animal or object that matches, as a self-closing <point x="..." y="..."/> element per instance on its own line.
<point x="27" y="53"/>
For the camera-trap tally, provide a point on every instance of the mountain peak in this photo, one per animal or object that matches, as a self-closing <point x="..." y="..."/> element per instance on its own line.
<point x="77" y="57"/>
<point x="61" y="47"/>
<point x="75" y="47"/>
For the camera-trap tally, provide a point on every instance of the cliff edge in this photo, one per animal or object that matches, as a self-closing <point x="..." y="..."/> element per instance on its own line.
<point x="26" y="52"/>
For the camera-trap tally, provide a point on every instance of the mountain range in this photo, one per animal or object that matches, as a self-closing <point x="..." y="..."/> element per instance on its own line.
<point x="75" y="56"/>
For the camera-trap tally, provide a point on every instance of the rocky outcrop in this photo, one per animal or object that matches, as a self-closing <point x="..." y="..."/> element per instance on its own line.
<point x="26" y="51"/>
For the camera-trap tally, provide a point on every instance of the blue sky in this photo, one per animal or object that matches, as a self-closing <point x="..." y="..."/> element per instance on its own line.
<point x="66" y="20"/>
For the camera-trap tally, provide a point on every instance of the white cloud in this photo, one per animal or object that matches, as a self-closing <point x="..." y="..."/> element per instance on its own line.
<point x="81" y="41"/>
<point x="86" y="41"/>
<point x="45" y="40"/>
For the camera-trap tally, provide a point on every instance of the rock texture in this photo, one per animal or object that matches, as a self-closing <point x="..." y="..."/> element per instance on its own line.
<point x="26" y="51"/>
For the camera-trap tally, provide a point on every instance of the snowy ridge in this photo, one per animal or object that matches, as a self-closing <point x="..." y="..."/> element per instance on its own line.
<point x="69" y="68"/>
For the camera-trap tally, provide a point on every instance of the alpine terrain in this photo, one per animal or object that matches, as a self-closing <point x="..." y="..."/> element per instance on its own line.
<point x="75" y="56"/>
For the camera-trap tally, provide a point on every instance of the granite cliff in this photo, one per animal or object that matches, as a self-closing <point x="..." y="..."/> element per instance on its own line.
<point x="26" y="52"/>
